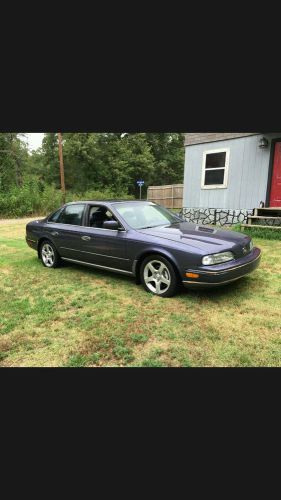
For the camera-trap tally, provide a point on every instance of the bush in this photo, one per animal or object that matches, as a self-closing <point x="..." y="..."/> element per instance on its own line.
<point x="32" y="198"/>
<point x="51" y="199"/>
<point x="99" y="194"/>
<point x="236" y="227"/>
<point x="37" y="198"/>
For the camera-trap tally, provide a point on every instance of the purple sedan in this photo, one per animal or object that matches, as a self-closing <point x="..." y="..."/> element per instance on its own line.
<point x="143" y="240"/>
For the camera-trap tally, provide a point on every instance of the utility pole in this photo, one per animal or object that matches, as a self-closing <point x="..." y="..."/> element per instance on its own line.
<point x="61" y="168"/>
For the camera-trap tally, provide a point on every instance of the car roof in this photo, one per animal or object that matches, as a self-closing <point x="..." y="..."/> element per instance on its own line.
<point x="108" y="201"/>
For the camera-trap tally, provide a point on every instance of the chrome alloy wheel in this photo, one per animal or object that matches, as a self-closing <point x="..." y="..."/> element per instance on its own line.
<point x="157" y="277"/>
<point x="48" y="255"/>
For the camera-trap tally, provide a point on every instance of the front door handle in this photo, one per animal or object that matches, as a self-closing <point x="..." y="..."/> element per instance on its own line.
<point x="55" y="233"/>
<point x="85" y="238"/>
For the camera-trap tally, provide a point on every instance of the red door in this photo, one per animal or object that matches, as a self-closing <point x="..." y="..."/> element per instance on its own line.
<point x="275" y="193"/>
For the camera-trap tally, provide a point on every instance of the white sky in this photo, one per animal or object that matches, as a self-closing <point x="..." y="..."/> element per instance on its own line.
<point x="34" y="140"/>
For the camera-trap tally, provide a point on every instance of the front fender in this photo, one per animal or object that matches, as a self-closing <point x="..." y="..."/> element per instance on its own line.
<point x="152" y="250"/>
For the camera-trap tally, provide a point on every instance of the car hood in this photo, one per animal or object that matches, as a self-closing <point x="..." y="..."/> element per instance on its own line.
<point x="204" y="238"/>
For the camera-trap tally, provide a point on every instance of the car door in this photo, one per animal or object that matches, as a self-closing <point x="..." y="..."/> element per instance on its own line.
<point x="66" y="231"/>
<point x="105" y="247"/>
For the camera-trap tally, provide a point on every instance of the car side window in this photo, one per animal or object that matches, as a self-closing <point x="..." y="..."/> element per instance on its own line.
<point x="98" y="215"/>
<point x="55" y="216"/>
<point x="72" y="214"/>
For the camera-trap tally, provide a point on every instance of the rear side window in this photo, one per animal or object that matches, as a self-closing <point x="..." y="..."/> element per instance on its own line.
<point x="72" y="214"/>
<point x="55" y="216"/>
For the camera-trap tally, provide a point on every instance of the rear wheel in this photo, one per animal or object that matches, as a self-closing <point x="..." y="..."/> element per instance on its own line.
<point x="49" y="255"/>
<point x="158" y="276"/>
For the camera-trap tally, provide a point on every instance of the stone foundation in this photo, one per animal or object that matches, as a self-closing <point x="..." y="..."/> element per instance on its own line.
<point x="216" y="216"/>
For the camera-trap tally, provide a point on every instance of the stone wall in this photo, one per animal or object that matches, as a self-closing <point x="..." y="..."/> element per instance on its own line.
<point x="217" y="216"/>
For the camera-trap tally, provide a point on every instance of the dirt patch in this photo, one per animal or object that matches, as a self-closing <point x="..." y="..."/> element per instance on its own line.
<point x="12" y="222"/>
<point x="5" y="271"/>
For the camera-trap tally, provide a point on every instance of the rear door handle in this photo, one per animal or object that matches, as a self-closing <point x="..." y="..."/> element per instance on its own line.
<point x="85" y="238"/>
<point x="55" y="233"/>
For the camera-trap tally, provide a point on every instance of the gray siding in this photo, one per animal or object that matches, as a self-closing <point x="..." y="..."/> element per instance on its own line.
<point x="247" y="175"/>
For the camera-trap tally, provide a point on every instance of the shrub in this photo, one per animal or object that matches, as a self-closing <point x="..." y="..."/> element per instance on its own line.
<point x="35" y="197"/>
<point x="236" y="227"/>
<point x="99" y="194"/>
<point x="32" y="198"/>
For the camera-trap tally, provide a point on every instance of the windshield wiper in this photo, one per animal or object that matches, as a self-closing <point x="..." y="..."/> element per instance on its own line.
<point x="151" y="227"/>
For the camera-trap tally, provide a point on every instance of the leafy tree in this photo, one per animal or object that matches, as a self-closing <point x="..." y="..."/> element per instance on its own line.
<point x="168" y="153"/>
<point x="50" y="159"/>
<point x="13" y="160"/>
<point x="94" y="161"/>
<point x="110" y="160"/>
<point x="98" y="160"/>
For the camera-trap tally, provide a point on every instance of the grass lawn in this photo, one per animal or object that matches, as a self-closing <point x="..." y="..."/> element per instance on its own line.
<point x="75" y="316"/>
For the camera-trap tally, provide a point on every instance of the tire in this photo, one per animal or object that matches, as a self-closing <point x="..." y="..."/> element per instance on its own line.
<point x="49" y="255"/>
<point x="158" y="276"/>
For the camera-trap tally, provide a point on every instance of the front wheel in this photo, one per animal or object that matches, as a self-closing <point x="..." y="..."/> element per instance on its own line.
<point x="158" y="276"/>
<point x="49" y="255"/>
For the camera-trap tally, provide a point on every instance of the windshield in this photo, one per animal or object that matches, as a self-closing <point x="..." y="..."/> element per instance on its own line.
<point x="145" y="215"/>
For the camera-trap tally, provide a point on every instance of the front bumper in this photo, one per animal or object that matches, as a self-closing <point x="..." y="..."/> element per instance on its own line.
<point x="31" y="243"/>
<point x="222" y="274"/>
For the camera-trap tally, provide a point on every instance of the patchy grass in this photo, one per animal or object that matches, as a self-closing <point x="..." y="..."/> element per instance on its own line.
<point x="74" y="316"/>
<point x="261" y="233"/>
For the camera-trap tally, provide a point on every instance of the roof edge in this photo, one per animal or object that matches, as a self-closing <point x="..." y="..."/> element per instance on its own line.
<point x="201" y="138"/>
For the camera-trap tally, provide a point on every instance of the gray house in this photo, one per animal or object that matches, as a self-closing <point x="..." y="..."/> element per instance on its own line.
<point x="228" y="175"/>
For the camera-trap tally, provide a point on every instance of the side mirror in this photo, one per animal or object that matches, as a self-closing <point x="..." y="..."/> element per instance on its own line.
<point x="111" y="224"/>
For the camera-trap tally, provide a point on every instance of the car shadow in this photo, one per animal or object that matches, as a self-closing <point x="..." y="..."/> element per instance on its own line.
<point x="238" y="289"/>
<point x="233" y="290"/>
<point x="99" y="272"/>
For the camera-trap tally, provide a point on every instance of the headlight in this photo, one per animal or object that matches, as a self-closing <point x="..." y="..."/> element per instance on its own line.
<point x="217" y="258"/>
<point x="251" y="245"/>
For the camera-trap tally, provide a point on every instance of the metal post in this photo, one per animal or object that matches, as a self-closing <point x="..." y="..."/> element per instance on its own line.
<point x="61" y="168"/>
<point x="140" y="191"/>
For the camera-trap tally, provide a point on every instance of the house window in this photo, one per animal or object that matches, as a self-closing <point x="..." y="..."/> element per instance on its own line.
<point x="215" y="169"/>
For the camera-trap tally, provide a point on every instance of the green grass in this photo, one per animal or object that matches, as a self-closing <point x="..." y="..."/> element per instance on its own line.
<point x="76" y="317"/>
<point x="261" y="233"/>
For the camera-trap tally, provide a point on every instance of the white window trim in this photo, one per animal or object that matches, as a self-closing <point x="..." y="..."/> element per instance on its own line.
<point x="226" y="168"/>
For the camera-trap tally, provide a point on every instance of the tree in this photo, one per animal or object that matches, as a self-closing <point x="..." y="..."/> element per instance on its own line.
<point x="114" y="160"/>
<point x="168" y="153"/>
<point x="50" y="159"/>
<point x="13" y="160"/>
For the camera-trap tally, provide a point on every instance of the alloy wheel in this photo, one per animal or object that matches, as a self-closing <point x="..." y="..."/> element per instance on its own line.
<point x="48" y="255"/>
<point x="157" y="277"/>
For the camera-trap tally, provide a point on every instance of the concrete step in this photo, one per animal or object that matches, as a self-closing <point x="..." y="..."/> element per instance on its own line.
<point x="264" y="217"/>
<point x="268" y="211"/>
<point x="262" y="220"/>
